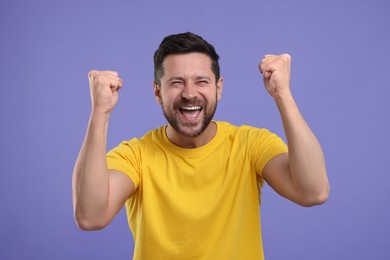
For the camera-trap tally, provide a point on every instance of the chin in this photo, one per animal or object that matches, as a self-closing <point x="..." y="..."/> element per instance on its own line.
<point x="191" y="131"/>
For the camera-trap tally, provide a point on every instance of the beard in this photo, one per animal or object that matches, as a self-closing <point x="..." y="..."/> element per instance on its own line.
<point x="189" y="129"/>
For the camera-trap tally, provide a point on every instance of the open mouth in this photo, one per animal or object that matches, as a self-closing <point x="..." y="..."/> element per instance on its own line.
<point x="190" y="112"/>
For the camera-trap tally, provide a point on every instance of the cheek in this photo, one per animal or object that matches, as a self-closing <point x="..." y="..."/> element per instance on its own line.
<point x="214" y="97"/>
<point x="168" y="99"/>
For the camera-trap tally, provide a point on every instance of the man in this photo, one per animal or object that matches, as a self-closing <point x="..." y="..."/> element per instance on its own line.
<point x="191" y="188"/>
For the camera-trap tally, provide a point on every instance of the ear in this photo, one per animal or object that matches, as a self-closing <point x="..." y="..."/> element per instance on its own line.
<point x="219" y="88"/>
<point x="157" y="92"/>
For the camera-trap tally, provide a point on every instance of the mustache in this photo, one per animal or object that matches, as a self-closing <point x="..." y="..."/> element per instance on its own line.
<point x="189" y="102"/>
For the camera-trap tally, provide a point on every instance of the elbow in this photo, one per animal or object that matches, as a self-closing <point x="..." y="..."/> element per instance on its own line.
<point x="88" y="224"/>
<point x="315" y="199"/>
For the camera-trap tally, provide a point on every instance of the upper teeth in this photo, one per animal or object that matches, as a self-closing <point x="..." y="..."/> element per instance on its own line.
<point x="191" y="108"/>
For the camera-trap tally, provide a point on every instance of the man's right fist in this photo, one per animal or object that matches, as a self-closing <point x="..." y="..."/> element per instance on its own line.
<point x="104" y="86"/>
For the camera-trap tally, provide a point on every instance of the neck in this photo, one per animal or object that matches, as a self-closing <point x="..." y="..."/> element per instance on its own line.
<point x="192" y="142"/>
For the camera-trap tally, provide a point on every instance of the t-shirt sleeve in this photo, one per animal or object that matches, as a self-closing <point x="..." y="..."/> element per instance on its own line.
<point x="266" y="146"/>
<point x="126" y="158"/>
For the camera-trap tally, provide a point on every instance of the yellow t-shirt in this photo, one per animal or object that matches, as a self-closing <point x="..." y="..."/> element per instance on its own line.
<point x="200" y="203"/>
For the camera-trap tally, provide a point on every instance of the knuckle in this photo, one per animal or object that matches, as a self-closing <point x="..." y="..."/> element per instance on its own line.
<point x="100" y="76"/>
<point x="286" y="56"/>
<point x="91" y="73"/>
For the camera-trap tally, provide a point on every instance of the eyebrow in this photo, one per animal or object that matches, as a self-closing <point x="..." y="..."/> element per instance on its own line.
<point x="202" y="77"/>
<point x="183" y="79"/>
<point x="175" y="78"/>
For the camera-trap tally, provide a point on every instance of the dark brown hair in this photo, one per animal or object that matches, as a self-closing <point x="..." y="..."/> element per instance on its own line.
<point x="181" y="44"/>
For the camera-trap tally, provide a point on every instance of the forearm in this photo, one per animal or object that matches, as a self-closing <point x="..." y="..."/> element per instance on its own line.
<point x="90" y="176"/>
<point x="306" y="159"/>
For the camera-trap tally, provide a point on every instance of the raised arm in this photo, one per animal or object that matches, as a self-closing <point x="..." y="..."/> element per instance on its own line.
<point x="98" y="194"/>
<point x="301" y="174"/>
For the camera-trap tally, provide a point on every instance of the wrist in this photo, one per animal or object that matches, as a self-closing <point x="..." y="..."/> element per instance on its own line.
<point x="99" y="116"/>
<point x="282" y="97"/>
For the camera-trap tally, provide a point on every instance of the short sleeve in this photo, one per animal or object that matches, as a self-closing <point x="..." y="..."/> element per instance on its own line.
<point x="266" y="146"/>
<point x="126" y="158"/>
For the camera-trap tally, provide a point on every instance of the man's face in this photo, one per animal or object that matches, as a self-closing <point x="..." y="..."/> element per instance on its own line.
<point x="188" y="93"/>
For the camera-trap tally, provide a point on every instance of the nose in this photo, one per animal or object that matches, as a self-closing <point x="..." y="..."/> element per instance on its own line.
<point x="189" y="91"/>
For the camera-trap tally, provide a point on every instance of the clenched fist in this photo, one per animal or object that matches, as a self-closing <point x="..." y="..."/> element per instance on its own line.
<point x="276" y="72"/>
<point x="104" y="86"/>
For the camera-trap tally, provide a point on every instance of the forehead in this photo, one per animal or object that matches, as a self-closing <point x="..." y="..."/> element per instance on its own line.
<point x="187" y="65"/>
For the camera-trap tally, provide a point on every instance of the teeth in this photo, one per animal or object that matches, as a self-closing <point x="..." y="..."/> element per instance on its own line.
<point x="191" y="108"/>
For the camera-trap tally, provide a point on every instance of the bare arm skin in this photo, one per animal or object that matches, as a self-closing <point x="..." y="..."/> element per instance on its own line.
<point x="301" y="174"/>
<point x="99" y="193"/>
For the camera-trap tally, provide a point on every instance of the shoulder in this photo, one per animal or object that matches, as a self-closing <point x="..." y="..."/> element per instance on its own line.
<point x="242" y="130"/>
<point x="149" y="137"/>
<point x="136" y="144"/>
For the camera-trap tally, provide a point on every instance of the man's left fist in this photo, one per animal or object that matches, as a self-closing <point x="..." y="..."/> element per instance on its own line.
<point x="276" y="72"/>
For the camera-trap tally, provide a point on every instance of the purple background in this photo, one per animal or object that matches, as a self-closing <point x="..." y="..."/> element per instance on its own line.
<point x="340" y="79"/>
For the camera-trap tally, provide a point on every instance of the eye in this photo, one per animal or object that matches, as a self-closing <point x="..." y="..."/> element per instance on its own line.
<point x="176" y="83"/>
<point x="202" y="82"/>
